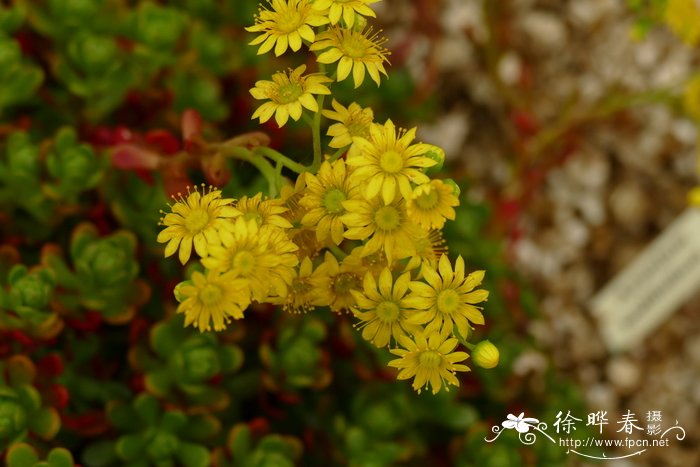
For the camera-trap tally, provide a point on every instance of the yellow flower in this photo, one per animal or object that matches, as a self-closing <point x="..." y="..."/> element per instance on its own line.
<point x="374" y="263"/>
<point x="448" y="299"/>
<point x="285" y="250"/>
<point x="345" y="9"/>
<point x="301" y="295"/>
<point x="355" y="51"/>
<point x="197" y="219"/>
<point x="286" y="24"/>
<point x="354" y="121"/>
<point x="387" y="227"/>
<point x="324" y="199"/>
<point x="385" y="308"/>
<point x="288" y="92"/>
<point x="429" y="361"/>
<point x="683" y="16"/>
<point x="290" y="196"/>
<point x="334" y="284"/>
<point x="430" y="246"/>
<point x="213" y="298"/>
<point x="431" y="204"/>
<point x="250" y="253"/>
<point x="387" y="162"/>
<point x="264" y="212"/>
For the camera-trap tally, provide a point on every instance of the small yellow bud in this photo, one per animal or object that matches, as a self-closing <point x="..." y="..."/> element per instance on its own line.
<point x="485" y="354"/>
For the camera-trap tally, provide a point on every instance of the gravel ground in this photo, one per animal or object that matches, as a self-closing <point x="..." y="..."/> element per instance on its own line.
<point x="572" y="128"/>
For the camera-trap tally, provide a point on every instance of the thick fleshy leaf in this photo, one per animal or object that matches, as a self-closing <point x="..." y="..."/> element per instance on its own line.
<point x="122" y="416"/>
<point x="101" y="454"/>
<point x="230" y="358"/>
<point x="131" y="447"/>
<point x="60" y="457"/>
<point x="173" y="420"/>
<point x="21" y="455"/>
<point x="148" y="408"/>
<point x="193" y="455"/>
<point x="45" y="423"/>
<point x="130" y="156"/>
<point x="204" y="426"/>
<point x="239" y="442"/>
<point x="158" y="382"/>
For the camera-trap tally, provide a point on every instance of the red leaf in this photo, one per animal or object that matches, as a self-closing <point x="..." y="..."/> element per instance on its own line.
<point x="163" y="140"/>
<point x="51" y="364"/>
<point x="191" y="124"/>
<point x="130" y="157"/>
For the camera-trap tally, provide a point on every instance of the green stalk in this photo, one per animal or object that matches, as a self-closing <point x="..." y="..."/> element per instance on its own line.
<point x="260" y="163"/>
<point x="280" y="159"/>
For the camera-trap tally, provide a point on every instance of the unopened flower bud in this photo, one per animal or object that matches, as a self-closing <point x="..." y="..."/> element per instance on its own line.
<point x="485" y="354"/>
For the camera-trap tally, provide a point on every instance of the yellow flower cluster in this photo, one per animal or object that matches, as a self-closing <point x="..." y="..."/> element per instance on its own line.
<point x="331" y="29"/>
<point x="357" y="232"/>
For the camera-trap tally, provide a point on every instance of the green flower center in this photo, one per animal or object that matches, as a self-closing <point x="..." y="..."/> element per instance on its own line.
<point x="196" y="221"/>
<point x="391" y="162"/>
<point x="387" y="312"/>
<point x="288" y="93"/>
<point x="210" y="294"/>
<point x="344" y="283"/>
<point x="243" y="262"/>
<point x="430" y="359"/>
<point x="354" y="45"/>
<point x="333" y="201"/>
<point x="387" y="218"/>
<point x="448" y="301"/>
<point x="428" y="200"/>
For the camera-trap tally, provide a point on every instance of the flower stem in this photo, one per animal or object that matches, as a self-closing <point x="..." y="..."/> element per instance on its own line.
<point x="280" y="159"/>
<point x="260" y="163"/>
<point x="316" y="127"/>
<point x="462" y="340"/>
<point x="337" y="252"/>
<point x="338" y="153"/>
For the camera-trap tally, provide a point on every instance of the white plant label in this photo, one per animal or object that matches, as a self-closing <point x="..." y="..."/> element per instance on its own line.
<point x="658" y="281"/>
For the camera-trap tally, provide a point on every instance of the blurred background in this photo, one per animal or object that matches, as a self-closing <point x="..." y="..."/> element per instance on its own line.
<point x="570" y="125"/>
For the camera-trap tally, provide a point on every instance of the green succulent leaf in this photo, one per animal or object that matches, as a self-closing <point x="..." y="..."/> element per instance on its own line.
<point x="193" y="455"/>
<point x="21" y="455"/>
<point x="45" y="423"/>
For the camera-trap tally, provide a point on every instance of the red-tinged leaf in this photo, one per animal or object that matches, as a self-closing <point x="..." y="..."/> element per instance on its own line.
<point x="131" y="157"/>
<point x="122" y="134"/>
<point x="259" y="426"/>
<point x="163" y="140"/>
<point x="191" y="125"/>
<point x="59" y="396"/>
<point x="137" y="384"/>
<point x="51" y="365"/>
<point x="137" y="328"/>
<point x="101" y="136"/>
<point x="21" y="338"/>
<point x="216" y="380"/>
<point x="145" y="175"/>
<point x="90" y="323"/>
<point x="216" y="171"/>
